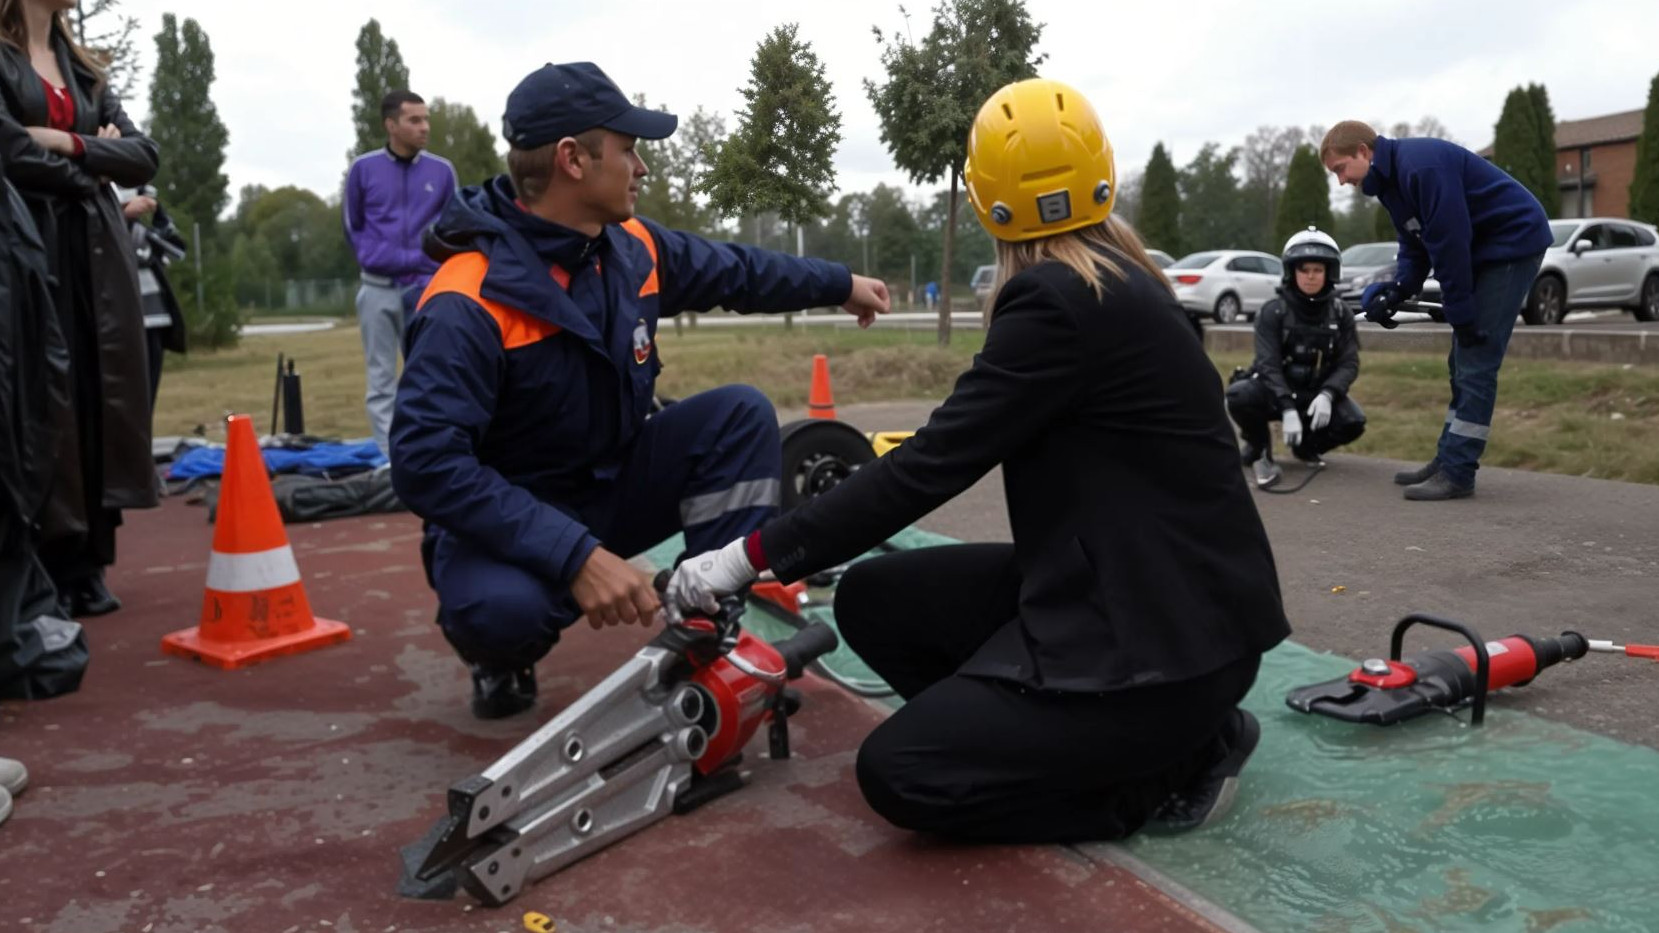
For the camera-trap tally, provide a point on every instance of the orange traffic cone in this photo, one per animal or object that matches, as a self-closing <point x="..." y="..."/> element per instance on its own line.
<point x="255" y="606"/>
<point x="820" y="401"/>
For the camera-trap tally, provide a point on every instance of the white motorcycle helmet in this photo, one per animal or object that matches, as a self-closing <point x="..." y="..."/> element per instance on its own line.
<point x="1312" y="245"/>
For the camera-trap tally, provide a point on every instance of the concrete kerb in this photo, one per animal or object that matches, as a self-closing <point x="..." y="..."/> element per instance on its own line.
<point x="1578" y="344"/>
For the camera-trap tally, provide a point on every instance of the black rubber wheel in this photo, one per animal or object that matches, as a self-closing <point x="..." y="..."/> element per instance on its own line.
<point x="817" y="455"/>
<point x="1647" y="306"/>
<point x="1547" y="302"/>
<point x="1228" y="308"/>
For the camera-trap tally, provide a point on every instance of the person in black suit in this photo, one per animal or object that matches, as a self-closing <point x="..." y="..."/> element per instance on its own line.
<point x="1084" y="680"/>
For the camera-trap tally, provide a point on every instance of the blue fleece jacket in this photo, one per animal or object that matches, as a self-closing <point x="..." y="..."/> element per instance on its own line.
<point x="1453" y="211"/>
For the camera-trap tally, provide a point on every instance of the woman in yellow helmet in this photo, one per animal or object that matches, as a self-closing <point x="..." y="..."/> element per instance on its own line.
<point x="1083" y="680"/>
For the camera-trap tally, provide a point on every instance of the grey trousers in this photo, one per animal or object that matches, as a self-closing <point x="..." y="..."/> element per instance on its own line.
<point x="380" y="322"/>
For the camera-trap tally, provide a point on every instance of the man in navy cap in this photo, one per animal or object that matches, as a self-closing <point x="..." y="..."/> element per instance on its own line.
<point x="521" y="434"/>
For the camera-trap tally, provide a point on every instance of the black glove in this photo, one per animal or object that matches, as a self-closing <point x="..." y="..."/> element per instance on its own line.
<point x="1468" y="335"/>
<point x="1379" y="301"/>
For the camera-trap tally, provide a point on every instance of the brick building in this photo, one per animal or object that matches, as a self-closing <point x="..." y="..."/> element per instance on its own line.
<point x="1595" y="162"/>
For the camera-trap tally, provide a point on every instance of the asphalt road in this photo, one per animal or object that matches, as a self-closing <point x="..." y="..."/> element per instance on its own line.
<point x="1531" y="553"/>
<point x="1599" y="320"/>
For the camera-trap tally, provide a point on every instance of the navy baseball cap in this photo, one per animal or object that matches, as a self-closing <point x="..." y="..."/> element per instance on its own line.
<point x="556" y="101"/>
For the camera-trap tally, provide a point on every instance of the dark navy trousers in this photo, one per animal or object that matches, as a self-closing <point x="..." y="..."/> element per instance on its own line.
<point x="708" y="465"/>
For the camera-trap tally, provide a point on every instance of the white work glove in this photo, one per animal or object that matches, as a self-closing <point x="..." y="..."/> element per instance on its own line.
<point x="1319" y="412"/>
<point x="1293" y="428"/>
<point x="699" y="582"/>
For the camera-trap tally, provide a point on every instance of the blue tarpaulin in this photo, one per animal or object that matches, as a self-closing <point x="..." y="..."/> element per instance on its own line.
<point x="317" y="460"/>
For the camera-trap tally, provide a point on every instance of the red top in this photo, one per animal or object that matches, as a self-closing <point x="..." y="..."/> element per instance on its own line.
<point x="60" y="112"/>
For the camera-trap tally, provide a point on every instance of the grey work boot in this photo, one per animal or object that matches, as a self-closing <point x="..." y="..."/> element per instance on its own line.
<point x="1421" y="474"/>
<point x="1438" y="487"/>
<point x="13" y="776"/>
<point x="1267" y="473"/>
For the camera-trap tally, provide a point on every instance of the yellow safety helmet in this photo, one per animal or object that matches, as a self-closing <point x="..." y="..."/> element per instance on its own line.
<point x="1038" y="162"/>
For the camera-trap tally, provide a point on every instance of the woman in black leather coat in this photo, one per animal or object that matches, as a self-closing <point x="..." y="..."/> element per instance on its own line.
<point x="64" y="138"/>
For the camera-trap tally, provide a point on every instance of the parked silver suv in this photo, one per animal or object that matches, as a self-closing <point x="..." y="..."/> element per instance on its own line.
<point x="1606" y="262"/>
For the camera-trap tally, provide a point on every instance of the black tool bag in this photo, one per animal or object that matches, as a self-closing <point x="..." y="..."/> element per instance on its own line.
<point x="41" y="654"/>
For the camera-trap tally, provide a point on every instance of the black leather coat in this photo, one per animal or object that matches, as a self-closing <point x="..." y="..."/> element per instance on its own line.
<point x="74" y="207"/>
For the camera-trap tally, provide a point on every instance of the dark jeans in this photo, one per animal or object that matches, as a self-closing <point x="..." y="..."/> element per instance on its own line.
<point x="993" y="761"/>
<point x="1253" y="406"/>
<point x="1500" y="290"/>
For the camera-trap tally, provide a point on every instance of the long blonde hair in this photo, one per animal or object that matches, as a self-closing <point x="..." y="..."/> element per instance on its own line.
<point x="1093" y="252"/>
<point x="14" y="31"/>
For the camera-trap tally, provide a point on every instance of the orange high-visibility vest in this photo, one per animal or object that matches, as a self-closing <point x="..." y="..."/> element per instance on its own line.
<point x="463" y="274"/>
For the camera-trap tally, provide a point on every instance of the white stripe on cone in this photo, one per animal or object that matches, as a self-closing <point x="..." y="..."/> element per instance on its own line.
<point x="249" y="573"/>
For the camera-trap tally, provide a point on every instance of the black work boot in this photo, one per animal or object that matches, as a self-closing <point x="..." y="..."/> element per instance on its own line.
<point x="1210" y="795"/>
<point x="1438" y="487"/>
<point x="90" y="597"/>
<point x="1413" y="477"/>
<point x="497" y="694"/>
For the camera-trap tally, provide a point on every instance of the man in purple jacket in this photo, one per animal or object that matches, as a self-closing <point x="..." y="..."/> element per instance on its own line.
<point x="392" y="194"/>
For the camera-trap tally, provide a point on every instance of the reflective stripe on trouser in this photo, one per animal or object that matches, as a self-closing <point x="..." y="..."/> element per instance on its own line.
<point x="380" y="324"/>
<point x="1500" y="289"/>
<point x="707" y="465"/>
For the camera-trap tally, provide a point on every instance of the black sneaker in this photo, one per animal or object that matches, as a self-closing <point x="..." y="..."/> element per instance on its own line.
<point x="1421" y="474"/>
<point x="1311" y="459"/>
<point x="497" y="694"/>
<point x="1210" y="795"/>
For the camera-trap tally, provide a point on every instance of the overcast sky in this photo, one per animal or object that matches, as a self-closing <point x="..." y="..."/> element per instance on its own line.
<point x="1180" y="73"/>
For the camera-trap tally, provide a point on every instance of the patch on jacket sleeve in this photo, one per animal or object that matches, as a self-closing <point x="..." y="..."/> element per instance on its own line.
<point x="642" y="342"/>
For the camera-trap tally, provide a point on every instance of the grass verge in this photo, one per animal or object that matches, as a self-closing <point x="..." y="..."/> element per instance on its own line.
<point x="1581" y="419"/>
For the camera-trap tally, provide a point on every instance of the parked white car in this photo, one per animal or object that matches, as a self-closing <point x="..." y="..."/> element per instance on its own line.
<point x="1163" y="259"/>
<point x="1606" y="262"/>
<point x="981" y="282"/>
<point x="1225" y="284"/>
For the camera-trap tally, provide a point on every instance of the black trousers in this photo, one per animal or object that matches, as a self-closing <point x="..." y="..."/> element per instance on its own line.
<point x="1253" y="406"/>
<point x="72" y="559"/>
<point x="154" y="349"/>
<point x="994" y="761"/>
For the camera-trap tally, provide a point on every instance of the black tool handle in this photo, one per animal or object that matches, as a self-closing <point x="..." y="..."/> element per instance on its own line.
<point x="806" y="646"/>
<point x="1483" y="662"/>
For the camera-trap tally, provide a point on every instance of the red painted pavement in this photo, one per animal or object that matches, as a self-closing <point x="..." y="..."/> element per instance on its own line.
<point x="170" y="797"/>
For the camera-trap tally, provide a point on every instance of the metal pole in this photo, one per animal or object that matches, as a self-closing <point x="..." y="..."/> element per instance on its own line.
<point x="1582" y="211"/>
<point x="196" y="235"/>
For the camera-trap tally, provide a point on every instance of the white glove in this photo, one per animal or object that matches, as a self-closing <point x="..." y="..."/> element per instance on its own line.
<point x="1319" y="412"/>
<point x="699" y="582"/>
<point x="1293" y="428"/>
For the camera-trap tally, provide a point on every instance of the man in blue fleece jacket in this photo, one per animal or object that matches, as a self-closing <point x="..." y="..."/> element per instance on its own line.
<point x="1484" y="236"/>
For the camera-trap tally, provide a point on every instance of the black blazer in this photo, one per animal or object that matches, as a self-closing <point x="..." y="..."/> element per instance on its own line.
<point x="1143" y="559"/>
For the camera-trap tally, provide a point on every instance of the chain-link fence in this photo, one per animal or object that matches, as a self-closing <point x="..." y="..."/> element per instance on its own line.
<point x="298" y="296"/>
